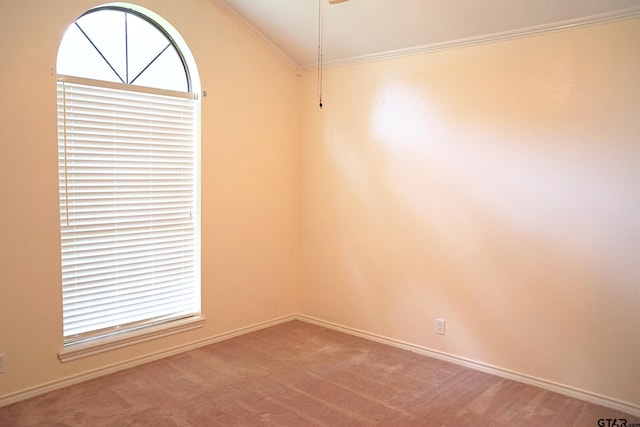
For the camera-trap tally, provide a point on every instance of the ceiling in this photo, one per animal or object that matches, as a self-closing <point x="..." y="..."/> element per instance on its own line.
<point x="358" y="30"/>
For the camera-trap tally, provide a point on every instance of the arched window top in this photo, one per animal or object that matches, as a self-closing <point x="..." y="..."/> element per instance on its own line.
<point x="120" y="45"/>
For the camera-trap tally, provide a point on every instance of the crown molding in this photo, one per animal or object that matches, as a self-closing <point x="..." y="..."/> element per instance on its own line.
<point x="255" y="33"/>
<point x="570" y="24"/>
<point x="603" y="18"/>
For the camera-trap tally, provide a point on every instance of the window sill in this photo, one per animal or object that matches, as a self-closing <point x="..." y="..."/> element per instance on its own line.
<point x="78" y="351"/>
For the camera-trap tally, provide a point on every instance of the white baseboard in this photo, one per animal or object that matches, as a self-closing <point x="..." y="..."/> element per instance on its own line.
<point x="505" y="373"/>
<point x="566" y="390"/>
<point x="95" y="373"/>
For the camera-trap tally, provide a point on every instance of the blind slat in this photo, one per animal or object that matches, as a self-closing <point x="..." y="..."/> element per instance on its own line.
<point x="128" y="208"/>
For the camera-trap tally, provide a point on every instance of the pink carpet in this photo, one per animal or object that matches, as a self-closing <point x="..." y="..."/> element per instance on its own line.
<point x="297" y="374"/>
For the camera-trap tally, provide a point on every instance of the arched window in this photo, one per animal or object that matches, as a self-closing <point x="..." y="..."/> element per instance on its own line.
<point x="122" y="46"/>
<point x="128" y="156"/>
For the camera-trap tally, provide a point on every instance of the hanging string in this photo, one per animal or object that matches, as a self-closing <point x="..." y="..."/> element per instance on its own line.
<point x="320" y="40"/>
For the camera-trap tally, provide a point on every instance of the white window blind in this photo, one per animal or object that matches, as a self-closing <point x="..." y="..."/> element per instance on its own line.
<point x="128" y="180"/>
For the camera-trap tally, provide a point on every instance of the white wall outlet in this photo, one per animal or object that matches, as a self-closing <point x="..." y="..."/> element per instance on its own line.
<point x="1" y="363"/>
<point x="440" y="326"/>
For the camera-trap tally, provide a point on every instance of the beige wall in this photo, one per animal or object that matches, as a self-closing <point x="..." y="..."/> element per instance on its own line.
<point x="496" y="187"/>
<point x="249" y="184"/>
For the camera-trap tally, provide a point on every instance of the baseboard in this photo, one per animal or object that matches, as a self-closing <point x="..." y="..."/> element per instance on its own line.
<point x="89" y="375"/>
<point x="566" y="390"/>
<point x="483" y="367"/>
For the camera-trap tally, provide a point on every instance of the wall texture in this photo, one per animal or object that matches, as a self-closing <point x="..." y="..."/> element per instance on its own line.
<point x="249" y="185"/>
<point x="496" y="187"/>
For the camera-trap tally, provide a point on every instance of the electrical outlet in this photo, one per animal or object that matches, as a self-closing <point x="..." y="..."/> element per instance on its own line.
<point x="1" y="363"/>
<point x="440" y="326"/>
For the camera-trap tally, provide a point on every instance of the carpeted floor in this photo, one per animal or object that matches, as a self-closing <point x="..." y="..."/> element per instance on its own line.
<point x="297" y="374"/>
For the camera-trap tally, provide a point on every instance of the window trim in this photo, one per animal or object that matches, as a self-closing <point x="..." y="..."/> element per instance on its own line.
<point x="122" y="86"/>
<point x="101" y="345"/>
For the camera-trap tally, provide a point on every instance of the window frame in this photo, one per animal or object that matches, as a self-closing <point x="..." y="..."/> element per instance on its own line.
<point x="75" y="350"/>
<point x="180" y="48"/>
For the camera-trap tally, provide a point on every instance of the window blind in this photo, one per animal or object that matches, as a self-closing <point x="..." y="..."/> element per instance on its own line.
<point x="128" y="180"/>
